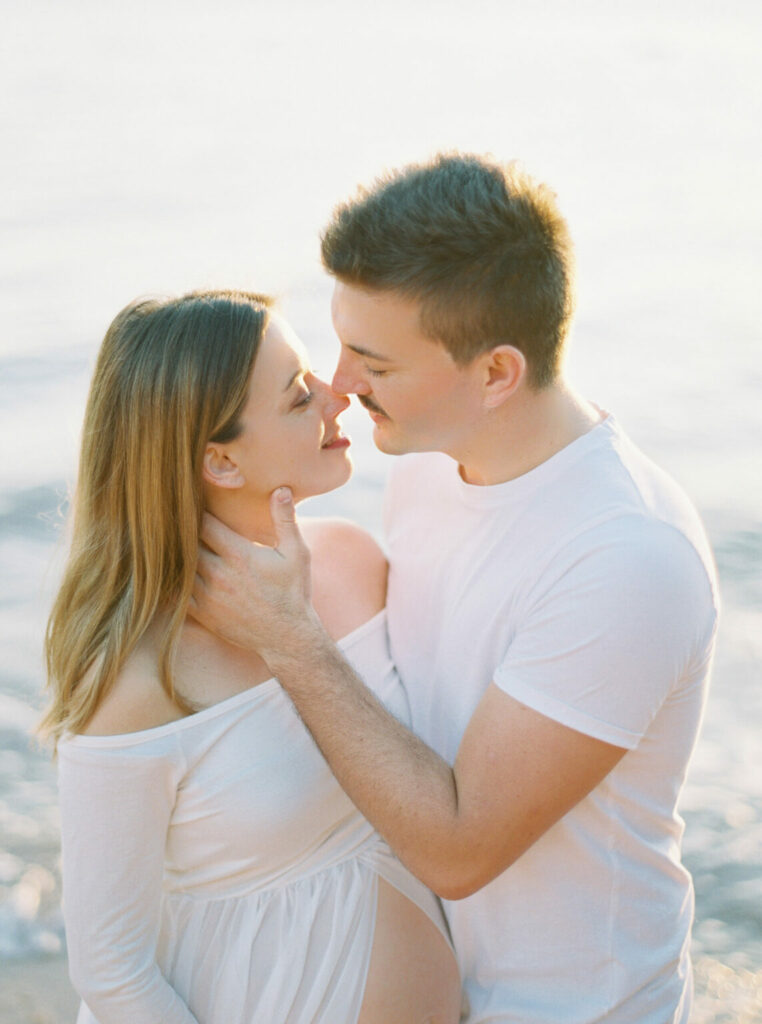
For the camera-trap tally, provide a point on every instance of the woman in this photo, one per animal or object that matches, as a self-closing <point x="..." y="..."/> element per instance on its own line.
<point x="214" y="872"/>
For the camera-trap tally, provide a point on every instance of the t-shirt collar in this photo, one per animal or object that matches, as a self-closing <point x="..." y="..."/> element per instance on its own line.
<point x="493" y="495"/>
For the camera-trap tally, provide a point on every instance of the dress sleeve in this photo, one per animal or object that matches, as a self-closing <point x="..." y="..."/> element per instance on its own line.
<point x="116" y="804"/>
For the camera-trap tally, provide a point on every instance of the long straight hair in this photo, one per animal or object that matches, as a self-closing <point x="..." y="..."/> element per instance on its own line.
<point x="171" y="375"/>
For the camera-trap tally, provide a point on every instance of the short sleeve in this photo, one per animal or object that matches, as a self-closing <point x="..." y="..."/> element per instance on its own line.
<point x="116" y="806"/>
<point x="622" y="616"/>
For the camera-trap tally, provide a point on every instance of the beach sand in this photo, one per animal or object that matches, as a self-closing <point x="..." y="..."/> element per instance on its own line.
<point x="39" y="992"/>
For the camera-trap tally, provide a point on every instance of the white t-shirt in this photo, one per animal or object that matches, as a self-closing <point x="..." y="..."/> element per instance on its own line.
<point x="585" y="589"/>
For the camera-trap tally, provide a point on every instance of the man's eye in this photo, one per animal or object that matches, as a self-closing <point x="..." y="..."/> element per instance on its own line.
<point x="376" y="373"/>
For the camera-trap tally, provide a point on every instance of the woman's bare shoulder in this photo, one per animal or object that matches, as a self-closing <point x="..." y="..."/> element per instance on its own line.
<point x="349" y="572"/>
<point x="137" y="700"/>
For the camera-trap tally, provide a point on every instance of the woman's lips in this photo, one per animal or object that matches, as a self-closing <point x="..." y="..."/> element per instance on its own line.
<point x="337" y="443"/>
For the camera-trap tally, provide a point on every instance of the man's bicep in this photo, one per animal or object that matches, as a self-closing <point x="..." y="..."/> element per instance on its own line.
<point x="517" y="773"/>
<point x="603" y="645"/>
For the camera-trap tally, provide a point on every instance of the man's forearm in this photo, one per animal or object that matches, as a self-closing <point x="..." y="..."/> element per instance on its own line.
<point x="406" y="790"/>
<point x="516" y="773"/>
<point x="257" y="598"/>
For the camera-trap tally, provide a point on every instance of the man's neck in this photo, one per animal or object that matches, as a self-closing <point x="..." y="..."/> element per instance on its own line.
<point x="525" y="432"/>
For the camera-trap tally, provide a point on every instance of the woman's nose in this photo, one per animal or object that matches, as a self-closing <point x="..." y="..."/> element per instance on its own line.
<point x="334" y="402"/>
<point x="337" y="403"/>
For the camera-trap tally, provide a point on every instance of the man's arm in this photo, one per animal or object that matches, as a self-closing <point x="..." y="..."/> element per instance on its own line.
<point x="516" y="773"/>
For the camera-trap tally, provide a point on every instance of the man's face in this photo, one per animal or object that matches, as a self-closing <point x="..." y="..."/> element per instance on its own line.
<point x="418" y="398"/>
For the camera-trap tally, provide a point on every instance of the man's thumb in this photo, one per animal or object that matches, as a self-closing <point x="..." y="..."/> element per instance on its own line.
<point x="284" y="514"/>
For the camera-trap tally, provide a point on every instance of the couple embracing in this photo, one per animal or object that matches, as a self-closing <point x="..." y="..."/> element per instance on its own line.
<point x="302" y="784"/>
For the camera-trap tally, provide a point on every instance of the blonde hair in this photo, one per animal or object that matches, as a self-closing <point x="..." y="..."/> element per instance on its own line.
<point x="170" y="376"/>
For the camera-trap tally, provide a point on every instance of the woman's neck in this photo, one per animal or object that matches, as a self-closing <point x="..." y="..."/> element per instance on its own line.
<point x="251" y="519"/>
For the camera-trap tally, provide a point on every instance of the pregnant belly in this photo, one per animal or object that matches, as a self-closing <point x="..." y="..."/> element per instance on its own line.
<point x="412" y="977"/>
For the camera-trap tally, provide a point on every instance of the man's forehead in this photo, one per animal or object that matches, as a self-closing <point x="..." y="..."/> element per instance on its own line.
<point x="375" y="324"/>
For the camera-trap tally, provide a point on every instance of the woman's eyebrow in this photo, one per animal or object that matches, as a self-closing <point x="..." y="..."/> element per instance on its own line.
<point x="296" y="374"/>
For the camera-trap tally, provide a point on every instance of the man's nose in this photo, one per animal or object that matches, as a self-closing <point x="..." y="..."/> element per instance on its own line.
<point x="348" y="378"/>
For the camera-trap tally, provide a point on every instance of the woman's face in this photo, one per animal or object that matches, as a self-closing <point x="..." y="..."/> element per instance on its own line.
<point x="290" y="432"/>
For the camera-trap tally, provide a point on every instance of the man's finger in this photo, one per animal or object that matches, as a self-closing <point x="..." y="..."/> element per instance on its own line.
<point x="205" y="564"/>
<point x="284" y="520"/>
<point x="282" y="505"/>
<point x="199" y="582"/>
<point x="194" y="607"/>
<point x="221" y="541"/>
<point x="215" y="534"/>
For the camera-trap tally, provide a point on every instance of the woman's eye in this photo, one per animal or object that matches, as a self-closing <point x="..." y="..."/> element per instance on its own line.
<point x="375" y="373"/>
<point x="304" y="399"/>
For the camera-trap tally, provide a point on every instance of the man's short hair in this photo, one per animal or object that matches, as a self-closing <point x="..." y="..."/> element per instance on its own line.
<point x="479" y="244"/>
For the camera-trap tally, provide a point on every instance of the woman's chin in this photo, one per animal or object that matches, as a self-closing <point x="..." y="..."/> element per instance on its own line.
<point x="331" y="483"/>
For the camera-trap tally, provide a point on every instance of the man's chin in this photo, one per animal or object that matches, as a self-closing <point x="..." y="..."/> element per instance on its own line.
<point x="385" y="439"/>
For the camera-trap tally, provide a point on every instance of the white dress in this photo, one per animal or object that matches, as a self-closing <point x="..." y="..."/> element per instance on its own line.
<point x="214" y="870"/>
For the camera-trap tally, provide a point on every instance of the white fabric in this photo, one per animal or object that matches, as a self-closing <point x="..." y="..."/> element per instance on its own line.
<point x="584" y="589"/>
<point x="215" y="872"/>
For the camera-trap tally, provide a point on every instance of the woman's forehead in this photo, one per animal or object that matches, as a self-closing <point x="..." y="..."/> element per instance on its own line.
<point x="283" y="340"/>
<point x="282" y="358"/>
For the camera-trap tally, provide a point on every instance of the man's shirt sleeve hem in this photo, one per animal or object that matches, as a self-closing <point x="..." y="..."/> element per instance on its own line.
<point x="564" y="714"/>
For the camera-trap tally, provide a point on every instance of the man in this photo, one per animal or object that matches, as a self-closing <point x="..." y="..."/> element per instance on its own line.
<point x="551" y="607"/>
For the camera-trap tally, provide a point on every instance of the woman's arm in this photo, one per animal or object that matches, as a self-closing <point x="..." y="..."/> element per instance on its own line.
<point x="116" y="805"/>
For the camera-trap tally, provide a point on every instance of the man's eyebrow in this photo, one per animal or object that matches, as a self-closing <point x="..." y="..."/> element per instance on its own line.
<point x="369" y="354"/>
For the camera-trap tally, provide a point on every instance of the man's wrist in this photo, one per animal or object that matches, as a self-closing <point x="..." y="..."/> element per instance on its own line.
<point x="292" y="657"/>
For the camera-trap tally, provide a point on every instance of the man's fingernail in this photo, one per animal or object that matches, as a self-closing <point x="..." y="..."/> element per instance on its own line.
<point x="283" y="494"/>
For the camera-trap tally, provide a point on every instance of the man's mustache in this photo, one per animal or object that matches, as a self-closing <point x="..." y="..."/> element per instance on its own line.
<point x="370" y="405"/>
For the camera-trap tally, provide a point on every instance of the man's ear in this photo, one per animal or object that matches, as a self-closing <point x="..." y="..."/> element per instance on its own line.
<point x="505" y="367"/>
<point x="219" y="469"/>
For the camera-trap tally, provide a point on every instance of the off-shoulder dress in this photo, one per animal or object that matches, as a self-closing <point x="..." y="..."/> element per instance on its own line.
<point x="214" y="870"/>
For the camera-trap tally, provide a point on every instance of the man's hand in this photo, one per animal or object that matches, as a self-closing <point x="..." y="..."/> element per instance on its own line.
<point x="252" y="595"/>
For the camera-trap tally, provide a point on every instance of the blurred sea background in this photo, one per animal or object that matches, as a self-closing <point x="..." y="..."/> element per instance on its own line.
<point x="158" y="147"/>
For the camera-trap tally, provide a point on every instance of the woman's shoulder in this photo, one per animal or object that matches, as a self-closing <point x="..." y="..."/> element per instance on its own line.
<point x="324" y="532"/>
<point x="351" y="552"/>
<point x="137" y="701"/>
<point x="349" y="572"/>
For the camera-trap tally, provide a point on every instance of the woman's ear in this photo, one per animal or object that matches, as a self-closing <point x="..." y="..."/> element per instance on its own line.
<point x="219" y="470"/>
<point x="505" y="368"/>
